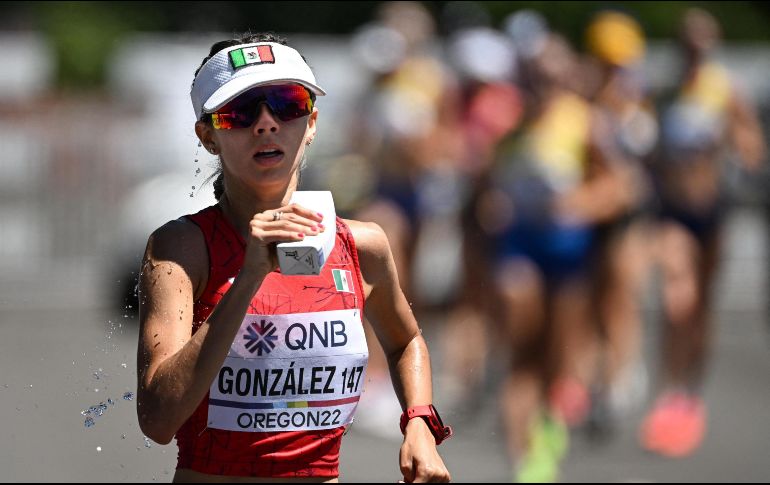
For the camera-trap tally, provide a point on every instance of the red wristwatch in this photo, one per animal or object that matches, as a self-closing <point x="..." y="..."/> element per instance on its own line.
<point x="430" y="415"/>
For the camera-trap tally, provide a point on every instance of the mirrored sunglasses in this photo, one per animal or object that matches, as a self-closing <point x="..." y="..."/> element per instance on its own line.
<point x="287" y="102"/>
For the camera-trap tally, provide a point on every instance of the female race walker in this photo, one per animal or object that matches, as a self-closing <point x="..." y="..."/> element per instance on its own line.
<point x="257" y="374"/>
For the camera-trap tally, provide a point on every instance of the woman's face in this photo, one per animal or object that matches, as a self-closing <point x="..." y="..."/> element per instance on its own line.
<point x="265" y="155"/>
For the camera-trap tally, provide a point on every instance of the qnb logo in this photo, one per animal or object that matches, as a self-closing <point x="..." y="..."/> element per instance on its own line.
<point x="260" y="337"/>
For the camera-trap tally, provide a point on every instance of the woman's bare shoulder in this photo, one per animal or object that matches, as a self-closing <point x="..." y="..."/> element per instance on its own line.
<point x="180" y="242"/>
<point x="374" y="254"/>
<point x="370" y="239"/>
<point x="176" y="238"/>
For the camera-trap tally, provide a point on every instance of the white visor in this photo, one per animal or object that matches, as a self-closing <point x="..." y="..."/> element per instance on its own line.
<point x="234" y="70"/>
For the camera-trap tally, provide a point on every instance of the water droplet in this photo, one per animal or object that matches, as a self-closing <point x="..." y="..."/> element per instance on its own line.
<point x="193" y="187"/>
<point x="98" y="448"/>
<point x="89" y="422"/>
<point x="128" y="396"/>
<point x="96" y="390"/>
<point x="192" y="195"/>
<point x="110" y="401"/>
<point x="147" y="443"/>
<point x="123" y="365"/>
<point x="197" y="170"/>
<point x="30" y="386"/>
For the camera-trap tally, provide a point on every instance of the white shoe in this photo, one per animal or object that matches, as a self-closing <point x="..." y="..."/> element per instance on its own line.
<point x="629" y="390"/>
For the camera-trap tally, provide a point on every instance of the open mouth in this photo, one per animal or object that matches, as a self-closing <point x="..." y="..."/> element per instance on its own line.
<point x="268" y="154"/>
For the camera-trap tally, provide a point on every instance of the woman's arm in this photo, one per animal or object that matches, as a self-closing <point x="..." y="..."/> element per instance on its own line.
<point x="745" y="132"/>
<point x="406" y="351"/>
<point x="175" y="368"/>
<point x="612" y="185"/>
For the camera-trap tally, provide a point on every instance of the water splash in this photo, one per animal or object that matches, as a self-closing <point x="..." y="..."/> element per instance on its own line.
<point x="96" y="411"/>
<point x="128" y="396"/>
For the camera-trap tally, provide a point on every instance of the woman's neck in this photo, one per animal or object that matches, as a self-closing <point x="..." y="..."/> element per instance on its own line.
<point x="240" y="207"/>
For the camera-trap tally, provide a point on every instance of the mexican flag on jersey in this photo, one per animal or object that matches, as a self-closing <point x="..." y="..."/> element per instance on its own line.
<point x="343" y="280"/>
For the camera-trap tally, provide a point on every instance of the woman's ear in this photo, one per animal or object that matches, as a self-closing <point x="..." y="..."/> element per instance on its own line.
<point x="311" y="126"/>
<point x="206" y="135"/>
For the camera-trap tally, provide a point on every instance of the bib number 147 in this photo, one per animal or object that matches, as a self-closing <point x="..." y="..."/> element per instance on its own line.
<point x="351" y="378"/>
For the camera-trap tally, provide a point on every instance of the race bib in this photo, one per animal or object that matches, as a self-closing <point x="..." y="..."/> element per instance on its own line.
<point x="295" y="372"/>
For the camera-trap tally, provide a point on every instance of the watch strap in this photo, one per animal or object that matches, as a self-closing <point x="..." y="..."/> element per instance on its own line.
<point x="430" y="415"/>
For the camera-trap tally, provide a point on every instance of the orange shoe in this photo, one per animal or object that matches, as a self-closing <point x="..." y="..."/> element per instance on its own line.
<point x="571" y="401"/>
<point x="676" y="425"/>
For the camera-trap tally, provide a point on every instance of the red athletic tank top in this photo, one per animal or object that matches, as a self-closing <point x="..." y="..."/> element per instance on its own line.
<point x="281" y="453"/>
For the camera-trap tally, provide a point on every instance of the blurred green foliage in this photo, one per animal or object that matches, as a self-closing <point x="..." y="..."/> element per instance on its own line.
<point x="83" y="34"/>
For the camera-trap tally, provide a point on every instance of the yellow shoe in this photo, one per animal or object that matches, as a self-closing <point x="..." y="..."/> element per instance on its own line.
<point x="548" y="444"/>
